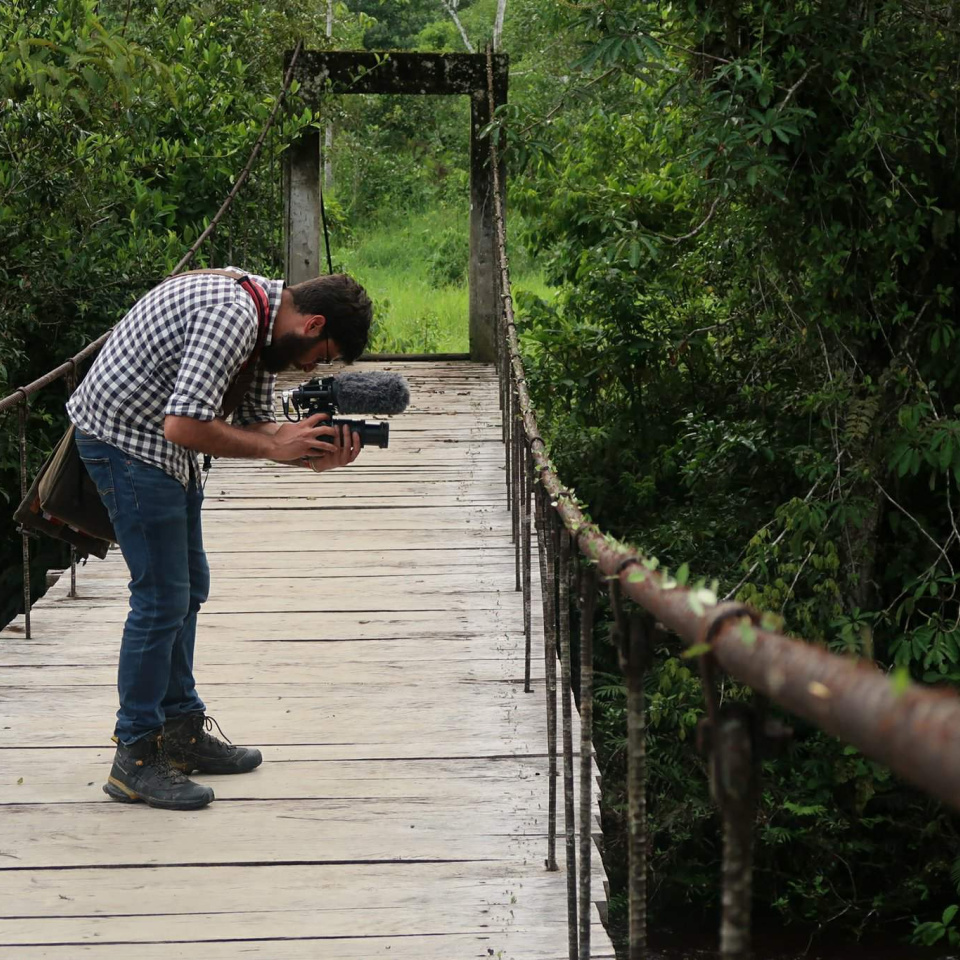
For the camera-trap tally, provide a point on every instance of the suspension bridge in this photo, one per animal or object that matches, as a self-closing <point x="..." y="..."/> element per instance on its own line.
<point x="396" y="637"/>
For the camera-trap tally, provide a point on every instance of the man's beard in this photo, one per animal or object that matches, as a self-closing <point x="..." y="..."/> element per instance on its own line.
<point x="287" y="352"/>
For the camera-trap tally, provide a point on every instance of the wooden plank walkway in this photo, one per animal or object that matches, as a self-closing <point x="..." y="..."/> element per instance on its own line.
<point x="363" y="630"/>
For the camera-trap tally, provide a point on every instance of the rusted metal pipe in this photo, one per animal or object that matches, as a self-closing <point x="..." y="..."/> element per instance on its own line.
<point x="912" y="729"/>
<point x="8" y="402"/>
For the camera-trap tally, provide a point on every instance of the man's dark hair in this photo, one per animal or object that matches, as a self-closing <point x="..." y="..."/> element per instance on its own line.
<point x="346" y="306"/>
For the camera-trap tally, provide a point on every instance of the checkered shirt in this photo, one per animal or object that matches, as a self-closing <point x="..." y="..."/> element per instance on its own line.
<point x="175" y="353"/>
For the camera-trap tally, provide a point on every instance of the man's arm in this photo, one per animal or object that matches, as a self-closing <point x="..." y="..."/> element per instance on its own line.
<point x="268" y="441"/>
<point x="268" y="427"/>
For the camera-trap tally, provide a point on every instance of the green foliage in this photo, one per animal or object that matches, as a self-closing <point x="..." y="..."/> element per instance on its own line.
<point x="397" y="155"/>
<point x="410" y="264"/>
<point x="937" y="931"/>
<point x="751" y="209"/>
<point x="121" y="131"/>
<point x="447" y="265"/>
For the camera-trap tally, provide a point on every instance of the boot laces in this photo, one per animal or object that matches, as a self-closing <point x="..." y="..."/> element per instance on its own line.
<point x="165" y="766"/>
<point x="205" y="731"/>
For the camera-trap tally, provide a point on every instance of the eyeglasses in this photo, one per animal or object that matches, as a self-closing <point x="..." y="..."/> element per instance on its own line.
<point x="326" y="359"/>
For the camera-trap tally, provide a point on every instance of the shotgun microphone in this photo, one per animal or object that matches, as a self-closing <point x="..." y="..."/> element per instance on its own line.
<point x="382" y="394"/>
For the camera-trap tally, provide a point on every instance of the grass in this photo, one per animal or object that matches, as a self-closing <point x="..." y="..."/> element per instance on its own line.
<point x="414" y="266"/>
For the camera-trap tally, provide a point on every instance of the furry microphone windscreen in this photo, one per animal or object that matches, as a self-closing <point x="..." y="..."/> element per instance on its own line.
<point x="375" y="392"/>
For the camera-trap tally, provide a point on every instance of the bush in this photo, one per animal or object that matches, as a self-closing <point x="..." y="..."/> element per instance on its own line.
<point x="451" y="255"/>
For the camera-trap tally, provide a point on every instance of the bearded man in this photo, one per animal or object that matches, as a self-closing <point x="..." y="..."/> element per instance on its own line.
<point x="195" y="349"/>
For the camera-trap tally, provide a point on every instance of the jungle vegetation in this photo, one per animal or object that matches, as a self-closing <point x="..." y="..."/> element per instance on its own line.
<point x="734" y="228"/>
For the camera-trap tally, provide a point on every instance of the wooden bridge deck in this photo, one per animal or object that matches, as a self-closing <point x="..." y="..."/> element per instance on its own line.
<point x="363" y="630"/>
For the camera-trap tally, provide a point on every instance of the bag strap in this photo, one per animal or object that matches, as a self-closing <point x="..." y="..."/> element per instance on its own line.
<point x="241" y="382"/>
<point x="263" y="317"/>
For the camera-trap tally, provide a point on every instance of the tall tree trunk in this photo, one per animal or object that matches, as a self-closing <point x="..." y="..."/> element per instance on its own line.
<point x="498" y="24"/>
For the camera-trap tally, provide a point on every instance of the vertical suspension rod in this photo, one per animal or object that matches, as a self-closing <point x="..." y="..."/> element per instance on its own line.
<point x="527" y="467"/>
<point x="548" y="595"/>
<point x="71" y="386"/>
<point x="508" y="428"/>
<point x="25" y="540"/>
<point x="569" y="820"/>
<point x="636" y="655"/>
<point x="517" y="488"/>
<point x="588" y="598"/>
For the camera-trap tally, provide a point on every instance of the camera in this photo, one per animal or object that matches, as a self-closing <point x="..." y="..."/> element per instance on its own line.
<point x="321" y="396"/>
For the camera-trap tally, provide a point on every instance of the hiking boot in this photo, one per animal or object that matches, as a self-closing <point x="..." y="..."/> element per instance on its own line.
<point x="192" y="746"/>
<point x="142" y="771"/>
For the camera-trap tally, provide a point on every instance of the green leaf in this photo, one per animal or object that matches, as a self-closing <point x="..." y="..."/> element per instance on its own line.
<point x="900" y="681"/>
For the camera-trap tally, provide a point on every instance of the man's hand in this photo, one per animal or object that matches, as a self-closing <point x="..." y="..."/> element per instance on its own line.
<point x="294" y="441"/>
<point x="300" y="444"/>
<point x="346" y="450"/>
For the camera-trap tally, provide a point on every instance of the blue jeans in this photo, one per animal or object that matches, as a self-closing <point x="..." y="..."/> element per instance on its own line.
<point x="157" y="523"/>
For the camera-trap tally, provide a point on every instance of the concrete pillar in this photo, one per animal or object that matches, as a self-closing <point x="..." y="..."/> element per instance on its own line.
<point x="302" y="208"/>
<point x="484" y="295"/>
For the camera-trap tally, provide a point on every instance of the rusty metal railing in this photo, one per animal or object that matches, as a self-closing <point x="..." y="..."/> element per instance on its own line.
<point x="237" y="240"/>
<point x="915" y="731"/>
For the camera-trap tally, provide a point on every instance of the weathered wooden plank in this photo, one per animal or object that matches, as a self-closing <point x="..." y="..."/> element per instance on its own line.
<point x="296" y="903"/>
<point x="111" y="583"/>
<point x="87" y="647"/>
<point x="323" y="613"/>
<point x="317" y="562"/>
<point x="75" y="776"/>
<point x="268" y="676"/>
<point x="262" y="523"/>
<point x="389" y="596"/>
<point x="315" y="831"/>
<point x="304" y="501"/>
<point x="520" y="801"/>
<point x="488" y="717"/>
<point x="537" y="945"/>
<point x="228" y="570"/>
<point x="441" y="625"/>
